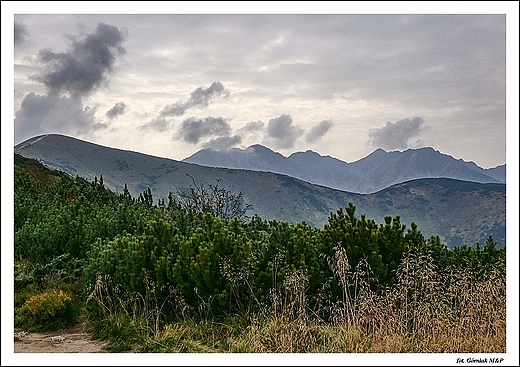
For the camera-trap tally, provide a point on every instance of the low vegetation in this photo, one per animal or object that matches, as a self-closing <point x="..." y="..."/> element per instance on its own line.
<point x="196" y="275"/>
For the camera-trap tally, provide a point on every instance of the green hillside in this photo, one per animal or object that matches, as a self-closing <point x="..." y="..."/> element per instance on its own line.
<point x="465" y="215"/>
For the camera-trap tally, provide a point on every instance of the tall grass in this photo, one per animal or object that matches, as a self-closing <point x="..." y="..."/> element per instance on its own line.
<point x="429" y="312"/>
<point x="125" y="318"/>
<point x="425" y="311"/>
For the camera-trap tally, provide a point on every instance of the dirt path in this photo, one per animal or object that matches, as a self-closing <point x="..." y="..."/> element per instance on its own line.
<point x="72" y="340"/>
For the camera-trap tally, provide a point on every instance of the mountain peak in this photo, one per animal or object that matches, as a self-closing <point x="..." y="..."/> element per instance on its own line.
<point x="308" y="154"/>
<point x="372" y="173"/>
<point x="260" y="148"/>
<point x="379" y="152"/>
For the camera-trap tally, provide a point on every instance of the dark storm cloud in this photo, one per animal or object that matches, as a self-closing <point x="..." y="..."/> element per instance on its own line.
<point x="118" y="109"/>
<point x="193" y="129"/>
<point x="281" y="133"/>
<point x="223" y="142"/>
<point x="20" y="33"/>
<point x="318" y="131"/>
<point x="41" y="114"/>
<point x="396" y="135"/>
<point x="86" y="66"/>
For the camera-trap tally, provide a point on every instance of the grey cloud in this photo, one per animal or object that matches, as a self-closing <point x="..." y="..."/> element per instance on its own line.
<point x="318" y="131"/>
<point x="20" y="33"/>
<point x="252" y="126"/>
<point x="198" y="98"/>
<point x="157" y="124"/>
<point x="41" y="114"/>
<point x="396" y="135"/>
<point x="223" y="142"/>
<point x="281" y="133"/>
<point x="118" y="109"/>
<point x="201" y="97"/>
<point x="175" y="109"/>
<point x="193" y="130"/>
<point x="251" y="129"/>
<point x="87" y="64"/>
<point x="94" y="127"/>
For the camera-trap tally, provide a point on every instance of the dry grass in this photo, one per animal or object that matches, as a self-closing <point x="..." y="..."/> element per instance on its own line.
<point x="425" y="312"/>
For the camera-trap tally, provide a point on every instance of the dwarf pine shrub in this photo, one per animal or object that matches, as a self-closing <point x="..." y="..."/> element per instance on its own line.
<point x="50" y="310"/>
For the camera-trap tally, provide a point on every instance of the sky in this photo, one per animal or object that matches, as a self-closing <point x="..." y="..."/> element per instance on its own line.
<point x="343" y="85"/>
<point x="339" y="78"/>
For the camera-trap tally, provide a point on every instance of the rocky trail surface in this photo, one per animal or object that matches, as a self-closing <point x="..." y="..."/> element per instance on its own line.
<point x="72" y="340"/>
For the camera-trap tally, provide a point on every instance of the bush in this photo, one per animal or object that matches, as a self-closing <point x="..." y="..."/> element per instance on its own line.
<point x="50" y="310"/>
<point x="23" y="274"/>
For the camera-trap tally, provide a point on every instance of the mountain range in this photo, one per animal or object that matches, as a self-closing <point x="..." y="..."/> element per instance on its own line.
<point x="459" y="211"/>
<point x="378" y="170"/>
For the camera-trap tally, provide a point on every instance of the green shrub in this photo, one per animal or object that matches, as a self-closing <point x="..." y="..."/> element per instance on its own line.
<point x="23" y="274"/>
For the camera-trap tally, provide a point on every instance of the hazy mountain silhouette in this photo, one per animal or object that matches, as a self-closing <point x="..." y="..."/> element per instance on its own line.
<point x="378" y="170"/>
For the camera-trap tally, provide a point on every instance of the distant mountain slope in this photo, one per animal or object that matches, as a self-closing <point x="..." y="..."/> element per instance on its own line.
<point x="460" y="211"/>
<point x="457" y="211"/>
<point x="272" y="196"/>
<point x="382" y="169"/>
<point x="498" y="172"/>
<point x="375" y="172"/>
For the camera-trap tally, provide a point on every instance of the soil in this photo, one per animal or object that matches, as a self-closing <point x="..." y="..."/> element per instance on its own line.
<point x="72" y="340"/>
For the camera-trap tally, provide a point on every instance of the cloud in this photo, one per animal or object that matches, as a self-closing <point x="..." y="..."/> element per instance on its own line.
<point x="118" y="109"/>
<point x="396" y="135"/>
<point x="42" y="114"/>
<point x="86" y="66"/>
<point x="201" y="97"/>
<point x="318" y="131"/>
<point x="193" y="130"/>
<point x="223" y="142"/>
<point x="281" y="134"/>
<point x="198" y="98"/>
<point x="175" y="109"/>
<point x="250" y="127"/>
<point x="20" y="33"/>
<point x="80" y="71"/>
<point x="157" y="124"/>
